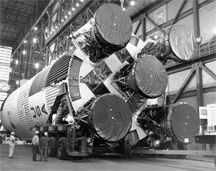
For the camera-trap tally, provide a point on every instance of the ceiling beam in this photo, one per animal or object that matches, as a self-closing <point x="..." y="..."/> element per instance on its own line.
<point x="14" y="22"/>
<point x="19" y="39"/>
<point x="5" y="42"/>
<point x="6" y="37"/>
<point x="5" y="26"/>
<point x="14" y="12"/>
<point x="15" y="3"/>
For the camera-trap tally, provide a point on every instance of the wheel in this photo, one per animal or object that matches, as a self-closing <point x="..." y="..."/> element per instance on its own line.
<point x="52" y="149"/>
<point x="62" y="147"/>
<point x="169" y="145"/>
<point x="181" y="147"/>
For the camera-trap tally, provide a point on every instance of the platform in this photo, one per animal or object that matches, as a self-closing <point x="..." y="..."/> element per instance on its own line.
<point x="22" y="161"/>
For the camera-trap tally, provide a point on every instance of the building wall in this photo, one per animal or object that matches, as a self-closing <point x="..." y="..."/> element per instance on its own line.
<point x="5" y="56"/>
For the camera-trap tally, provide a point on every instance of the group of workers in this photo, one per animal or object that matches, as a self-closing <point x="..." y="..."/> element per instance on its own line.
<point x="40" y="146"/>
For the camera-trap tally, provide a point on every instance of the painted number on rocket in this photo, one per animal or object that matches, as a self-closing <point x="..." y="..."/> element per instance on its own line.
<point x="39" y="111"/>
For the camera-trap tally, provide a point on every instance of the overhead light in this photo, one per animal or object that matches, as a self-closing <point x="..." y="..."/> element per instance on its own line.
<point x="69" y="13"/>
<point x="37" y="65"/>
<point x="35" y="28"/>
<point x="24" y="52"/>
<point x="24" y="41"/>
<point x="17" y="82"/>
<point x="198" y="39"/>
<point x="34" y="40"/>
<point x="123" y="9"/>
<point x="66" y="16"/>
<point x="132" y="3"/>
<point x="81" y="0"/>
<point x="16" y="62"/>
<point x="62" y="20"/>
<point x="73" y="9"/>
<point x="77" y="4"/>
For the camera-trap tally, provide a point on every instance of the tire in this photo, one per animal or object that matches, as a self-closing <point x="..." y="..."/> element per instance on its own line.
<point x="181" y="147"/>
<point x="62" y="147"/>
<point x="169" y="145"/>
<point x="52" y="149"/>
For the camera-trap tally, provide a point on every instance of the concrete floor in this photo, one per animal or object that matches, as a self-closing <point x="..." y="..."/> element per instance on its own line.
<point x="22" y="161"/>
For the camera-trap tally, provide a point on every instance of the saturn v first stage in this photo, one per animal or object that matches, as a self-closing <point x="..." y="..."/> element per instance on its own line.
<point x="105" y="87"/>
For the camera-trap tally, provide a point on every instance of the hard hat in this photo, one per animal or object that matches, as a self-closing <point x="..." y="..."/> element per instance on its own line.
<point x="12" y="133"/>
<point x="36" y="132"/>
<point x="45" y="133"/>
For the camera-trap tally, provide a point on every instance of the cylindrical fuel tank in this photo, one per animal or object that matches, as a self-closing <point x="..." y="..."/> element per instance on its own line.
<point x="111" y="117"/>
<point x="148" y="76"/>
<point x="181" y="123"/>
<point x="30" y="104"/>
<point x="20" y="113"/>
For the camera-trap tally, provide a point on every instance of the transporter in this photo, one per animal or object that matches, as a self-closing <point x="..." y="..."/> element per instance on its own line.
<point x="107" y="95"/>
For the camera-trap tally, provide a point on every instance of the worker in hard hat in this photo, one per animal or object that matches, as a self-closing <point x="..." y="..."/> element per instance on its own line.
<point x="35" y="145"/>
<point x="12" y="143"/>
<point x="44" y="144"/>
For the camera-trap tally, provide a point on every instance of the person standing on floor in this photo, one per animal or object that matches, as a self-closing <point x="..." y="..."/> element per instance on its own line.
<point x="35" y="145"/>
<point x="11" y="145"/>
<point x="44" y="143"/>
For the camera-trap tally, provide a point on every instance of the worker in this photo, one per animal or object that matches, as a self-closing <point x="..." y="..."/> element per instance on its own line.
<point x="11" y="144"/>
<point x="61" y="112"/>
<point x="44" y="144"/>
<point x="35" y="145"/>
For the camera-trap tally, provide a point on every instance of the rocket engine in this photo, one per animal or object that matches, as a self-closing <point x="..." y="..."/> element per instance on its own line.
<point x="103" y="86"/>
<point x="108" y="116"/>
<point x="178" y="121"/>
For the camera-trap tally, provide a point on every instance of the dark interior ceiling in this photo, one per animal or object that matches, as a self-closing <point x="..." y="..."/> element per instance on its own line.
<point x="17" y="17"/>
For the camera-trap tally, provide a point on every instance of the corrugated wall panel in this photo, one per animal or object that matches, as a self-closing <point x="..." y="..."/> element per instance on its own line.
<point x="209" y="98"/>
<point x="190" y="100"/>
<point x="176" y="80"/>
